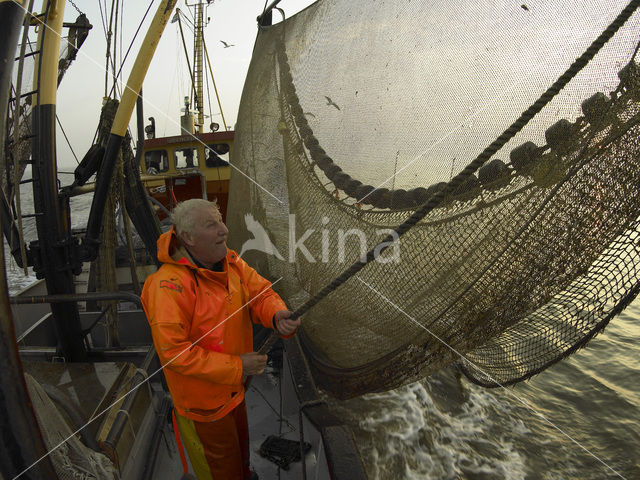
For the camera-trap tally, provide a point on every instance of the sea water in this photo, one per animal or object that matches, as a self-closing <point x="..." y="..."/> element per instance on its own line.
<point x="578" y="419"/>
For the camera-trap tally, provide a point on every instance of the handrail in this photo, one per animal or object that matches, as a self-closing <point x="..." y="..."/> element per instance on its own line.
<point x="76" y="297"/>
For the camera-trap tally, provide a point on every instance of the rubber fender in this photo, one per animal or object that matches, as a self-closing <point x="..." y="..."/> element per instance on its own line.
<point x="311" y="142"/>
<point x="470" y="184"/>
<point x="435" y="188"/>
<point x="352" y="187"/>
<point x="629" y="74"/>
<point x="293" y="100"/>
<point x="418" y="195"/>
<point x="558" y="134"/>
<point x="306" y="133"/>
<point x="301" y="120"/>
<point x="323" y="161"/>
<point x="285" y="74"/>
<point x="316" y="151"/>
<point x="524" y="156"/>
<point x="492" y="172"/>
<point x="595" y="107"/>
<point x="375" y="196"/>
<point x="400" y="199"/>
<point x="340" y="180"/>
<point x="362" y="193"/>
<point x="331" y="171"/>
<point x="296" y="109"/>
<point x="384" y="201"/>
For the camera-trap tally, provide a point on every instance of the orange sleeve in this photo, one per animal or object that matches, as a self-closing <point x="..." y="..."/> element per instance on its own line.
<point x="168" y="305"/>
<point x="265" y="302"/>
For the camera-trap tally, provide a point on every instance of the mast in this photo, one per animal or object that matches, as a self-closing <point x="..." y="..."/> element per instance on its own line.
<point x="198" y="65"/>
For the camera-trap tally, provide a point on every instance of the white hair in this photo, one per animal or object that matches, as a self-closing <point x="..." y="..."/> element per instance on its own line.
<point x="184" y="215"/>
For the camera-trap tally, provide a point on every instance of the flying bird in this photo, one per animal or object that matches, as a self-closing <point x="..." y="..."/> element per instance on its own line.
<point x="227" y="45"/>
<point x="331" y="102"/>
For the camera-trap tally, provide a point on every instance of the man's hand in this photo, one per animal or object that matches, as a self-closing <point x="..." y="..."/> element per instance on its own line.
<point x="252" y="364"/>
<point x="283" y="324"/>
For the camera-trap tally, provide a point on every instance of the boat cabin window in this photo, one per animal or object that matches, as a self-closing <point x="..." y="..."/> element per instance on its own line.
<point x="186" y="157"/>
<point x="217" y="155"/>
<point x="156" y="161"/>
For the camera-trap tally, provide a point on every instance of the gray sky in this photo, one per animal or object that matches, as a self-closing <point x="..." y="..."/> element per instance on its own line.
<point x="167" y="82"/>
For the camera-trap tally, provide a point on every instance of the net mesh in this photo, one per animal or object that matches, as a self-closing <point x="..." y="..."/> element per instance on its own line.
<point x="354" y="115"/>
<point x="71" y="459"/>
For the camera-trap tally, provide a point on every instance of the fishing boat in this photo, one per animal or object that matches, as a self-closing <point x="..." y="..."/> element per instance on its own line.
<point x="108" y="387"/>
<point x="426" y="198"/>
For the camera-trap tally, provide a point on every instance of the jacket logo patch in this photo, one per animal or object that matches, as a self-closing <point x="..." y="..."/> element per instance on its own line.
<point x="171" y="285"/>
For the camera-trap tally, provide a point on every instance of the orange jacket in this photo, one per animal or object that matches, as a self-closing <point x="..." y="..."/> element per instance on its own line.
<point x="201" y="323"/>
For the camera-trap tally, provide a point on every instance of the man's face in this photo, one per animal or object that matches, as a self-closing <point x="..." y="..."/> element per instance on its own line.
<point x="208" y="241"/>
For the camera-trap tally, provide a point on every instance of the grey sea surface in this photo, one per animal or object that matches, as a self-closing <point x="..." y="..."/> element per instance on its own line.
<point x="579" y="419"/>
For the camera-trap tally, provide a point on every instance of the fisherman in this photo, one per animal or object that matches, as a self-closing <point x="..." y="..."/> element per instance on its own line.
<point x="200" y="305"/>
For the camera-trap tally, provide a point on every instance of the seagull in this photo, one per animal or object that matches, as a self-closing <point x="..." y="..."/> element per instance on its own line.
<point x="226" y="45"/>
<point x="331" y="102"/>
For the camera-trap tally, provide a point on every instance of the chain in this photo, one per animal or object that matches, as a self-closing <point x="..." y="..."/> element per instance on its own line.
<point x="76" y="7"/>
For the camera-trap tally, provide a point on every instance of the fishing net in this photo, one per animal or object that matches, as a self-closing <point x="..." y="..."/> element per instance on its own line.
<point x="70" y="457"/>
<point x="355" y="115"/>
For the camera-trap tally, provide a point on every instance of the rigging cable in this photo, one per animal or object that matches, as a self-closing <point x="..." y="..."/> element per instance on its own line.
<point x="67" y="139"/>
<point x="108" y="55"/>
<point x="95" y="135"/>
<point x="186" y="54"/>
<point x="206" y="82"/>
<point x="114" y="57"/>
<point x="213" y="80"/>
<point x="124" y="59"/>
<point x="16" y="139"/>
<point x="102" y="19"/>
<point x="121" y="30"/>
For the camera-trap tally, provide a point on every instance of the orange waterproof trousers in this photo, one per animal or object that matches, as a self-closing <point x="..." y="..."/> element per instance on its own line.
<point x="218" y="450"/>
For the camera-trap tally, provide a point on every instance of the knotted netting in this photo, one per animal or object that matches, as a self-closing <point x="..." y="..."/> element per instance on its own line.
<point x="356" y="116"/>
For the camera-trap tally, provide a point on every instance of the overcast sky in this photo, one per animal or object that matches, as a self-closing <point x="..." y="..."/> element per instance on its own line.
<point x="80" y="94"/>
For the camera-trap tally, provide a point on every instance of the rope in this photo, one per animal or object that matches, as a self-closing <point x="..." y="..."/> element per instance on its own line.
<point x="67" y="139"/>
<point x="470" y="169"/>
<point x="132" y="256"/>
<point x="280" y="417"/>
<point x="213" y="80"/>
<point x="186" y="55"/>
<point x="108" y="55"/>
<point x="124" y="59"/>
<point x="102" y="18"/>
